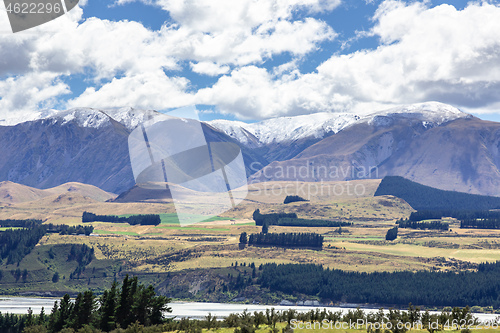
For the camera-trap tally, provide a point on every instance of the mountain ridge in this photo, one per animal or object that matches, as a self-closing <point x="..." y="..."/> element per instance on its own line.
<point x="431" y="143"/>
<point x="320" y="125"/>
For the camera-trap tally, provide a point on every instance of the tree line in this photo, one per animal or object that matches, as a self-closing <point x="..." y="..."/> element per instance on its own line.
<point x="298" y="222"/>
<point x="142" y="219"/>
<point x="271" y="218"/>
<point x="433" y="225"/>
<point x="28" y="223"/>
<point x="291" y="220"/>
<point x="431" y="288"/>
<point x="480" y="219"/>
<point x="91" y="314"/>
<point x="64" y="229"/>
<point x="492" y="223"/>
<point x="15" y="244"/>
<point x="457" y="214"/>
<point x="288" y="239"/>
<point x="131" y="305"/>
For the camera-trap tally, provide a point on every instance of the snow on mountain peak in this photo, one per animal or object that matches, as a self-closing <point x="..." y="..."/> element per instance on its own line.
<point x="434" y="113"/>
<point x="284" y="129"/>
<point x="130" y="117"/>
<point x="84" y="117"/>
<point x="319" y="125"/>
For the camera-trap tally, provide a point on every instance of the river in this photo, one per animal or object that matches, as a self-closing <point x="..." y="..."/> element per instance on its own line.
<point x="20" y="305"/>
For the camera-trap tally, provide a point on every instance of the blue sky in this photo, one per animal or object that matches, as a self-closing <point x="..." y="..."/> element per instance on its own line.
<point x="255" y="59"/>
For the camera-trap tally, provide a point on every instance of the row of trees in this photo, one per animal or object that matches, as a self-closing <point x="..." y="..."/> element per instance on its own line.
<point x="28" y="223"/>
<point x="431" y="288"/>
<point x="15" y="244"/>
<point x="432" y="225"/>
<point x="64" y="229"/>
<point x="291" y="220"/>
<point x="491" y="223"/>
<point x="289" y="239"/>
<point x="458" y="214"/>
<point x="142" y="219"/>
<point x="271" y="218"/>
<point x="297" y="222"/>
<point x="270" y="318"/>
<point x="118" y="307"/>
<point x="481" y="219"/>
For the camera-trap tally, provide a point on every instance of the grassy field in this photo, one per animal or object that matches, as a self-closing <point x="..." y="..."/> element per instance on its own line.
<point x="213" y="244"/>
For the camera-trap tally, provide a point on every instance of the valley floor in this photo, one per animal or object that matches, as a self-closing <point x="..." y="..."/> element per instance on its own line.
<point x="198" y="262"/>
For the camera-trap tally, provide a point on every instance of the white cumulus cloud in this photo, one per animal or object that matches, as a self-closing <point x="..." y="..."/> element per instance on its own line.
<point x="438" y="53"/>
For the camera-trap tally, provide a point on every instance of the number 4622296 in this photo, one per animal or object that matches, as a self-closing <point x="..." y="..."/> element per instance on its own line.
<point x="34" y="8"/>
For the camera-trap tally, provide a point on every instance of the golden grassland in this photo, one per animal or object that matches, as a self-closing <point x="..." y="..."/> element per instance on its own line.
<point x="360" y="247"/>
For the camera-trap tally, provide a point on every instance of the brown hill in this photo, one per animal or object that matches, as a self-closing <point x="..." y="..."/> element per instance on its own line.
<point x="12" y="193"/>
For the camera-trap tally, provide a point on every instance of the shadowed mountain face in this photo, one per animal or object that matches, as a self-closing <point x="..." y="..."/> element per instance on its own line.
<point x="432" y="144"/>
<point x="46" y="153"/>
<point x="461" y="155"/>
<point x="82" y="145"/>
<point x="464" y="156"/>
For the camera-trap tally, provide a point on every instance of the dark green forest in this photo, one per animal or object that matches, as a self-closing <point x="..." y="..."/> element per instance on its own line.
<point x="15" y="244"/>
<point x="130" y="304"/>
<point x="291" y="220"/>
<point x="453" y="319"/>
<point x="431" y="288"/>
<point x="143" y="219"/>
<point x="482" y="219"/>
<point x="297" y="222"/>
<point x="30" y="223"/>
<point x="421" y="197"/>
<point x="290" y="239"/>
<point x="458" y="214"/>
<point x="432" y="225"/>
<point x="271" y="218"/>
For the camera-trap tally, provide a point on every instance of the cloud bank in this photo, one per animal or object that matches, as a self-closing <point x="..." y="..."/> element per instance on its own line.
<point x="424" y="53"/>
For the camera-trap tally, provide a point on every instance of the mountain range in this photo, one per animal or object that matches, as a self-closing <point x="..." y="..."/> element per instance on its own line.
<point x="431" y="143"/>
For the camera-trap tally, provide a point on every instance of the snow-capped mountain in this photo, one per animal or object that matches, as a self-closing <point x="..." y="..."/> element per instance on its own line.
<point x="431" y="143"/>
<point x="320" y="125"/>
<point x="96" y="118"/>
<point x="430" y="114"/>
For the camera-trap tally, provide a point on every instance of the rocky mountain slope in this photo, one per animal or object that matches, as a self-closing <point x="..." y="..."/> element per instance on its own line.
<point x="452" y="153"/>
<point x="80" y="145"/>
